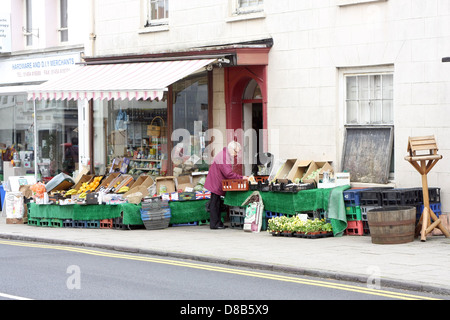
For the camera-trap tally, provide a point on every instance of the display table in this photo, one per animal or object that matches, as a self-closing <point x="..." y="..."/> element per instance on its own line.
<point x="287" y="202"/>
<point x="181" y="212"/>
<point x="330" y="200"/>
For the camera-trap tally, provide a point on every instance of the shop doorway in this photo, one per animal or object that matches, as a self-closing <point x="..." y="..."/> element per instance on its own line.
<point x="247" y="113"/>
<point x="252" y="125"/>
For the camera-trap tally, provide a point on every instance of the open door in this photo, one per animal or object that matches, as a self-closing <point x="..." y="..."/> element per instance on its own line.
<point x="246" y="113"/>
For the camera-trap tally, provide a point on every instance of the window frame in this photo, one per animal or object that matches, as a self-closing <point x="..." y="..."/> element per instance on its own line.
<point x="344" y="72"/>
<point x="28" y="21"/>
<point x="148" y="21"/>
<point x="62" y="29"/>
<point x="370" y="100"/>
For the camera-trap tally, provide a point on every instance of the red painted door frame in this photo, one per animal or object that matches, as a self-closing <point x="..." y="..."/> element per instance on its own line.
<point x="236" y="81"/>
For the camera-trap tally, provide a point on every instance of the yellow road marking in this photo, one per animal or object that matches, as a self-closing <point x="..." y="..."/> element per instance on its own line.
<point x="378" y="292"/>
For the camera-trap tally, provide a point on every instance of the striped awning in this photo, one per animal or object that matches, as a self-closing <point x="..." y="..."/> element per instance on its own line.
<point x="143" y="80"/>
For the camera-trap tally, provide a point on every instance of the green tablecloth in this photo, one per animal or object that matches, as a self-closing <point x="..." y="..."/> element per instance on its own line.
<point x="330" y="199"/>
<point x="181" y="211"/>
<point x="285" y="202"/>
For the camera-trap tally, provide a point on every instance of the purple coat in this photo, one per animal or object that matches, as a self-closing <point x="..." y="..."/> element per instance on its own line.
<point x="220" y="169"/>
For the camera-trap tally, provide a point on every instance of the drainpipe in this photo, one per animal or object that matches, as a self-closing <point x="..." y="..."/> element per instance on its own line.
<point x="92" y="35"/>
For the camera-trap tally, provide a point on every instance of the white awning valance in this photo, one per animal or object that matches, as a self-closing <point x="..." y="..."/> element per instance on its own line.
<point x="143" y="80"/>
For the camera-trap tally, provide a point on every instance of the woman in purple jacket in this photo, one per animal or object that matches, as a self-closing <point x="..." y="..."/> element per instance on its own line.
<point x="221" y="169"/>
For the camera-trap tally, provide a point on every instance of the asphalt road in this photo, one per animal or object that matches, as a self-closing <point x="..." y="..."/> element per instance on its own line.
<point x="30" y="270"/>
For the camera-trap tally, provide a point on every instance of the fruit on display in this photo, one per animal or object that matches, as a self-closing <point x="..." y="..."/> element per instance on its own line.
<point x="124" y="189"/>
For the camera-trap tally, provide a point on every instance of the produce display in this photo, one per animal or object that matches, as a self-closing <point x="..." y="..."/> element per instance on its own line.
<point x="296" y="225"/>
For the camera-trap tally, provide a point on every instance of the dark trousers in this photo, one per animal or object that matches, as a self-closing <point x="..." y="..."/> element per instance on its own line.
<point x="215" y="205"/>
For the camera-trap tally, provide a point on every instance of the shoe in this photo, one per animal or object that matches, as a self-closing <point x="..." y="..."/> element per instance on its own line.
<point x="220" y="227"/>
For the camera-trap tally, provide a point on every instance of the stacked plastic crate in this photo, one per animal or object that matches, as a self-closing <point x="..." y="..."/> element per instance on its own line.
<point x="353" y="212"/>
<point x="434" y="196"/>
<point x="394" y="197"/>
<point x="237" y="217"/>
<point x="155" y="213"/>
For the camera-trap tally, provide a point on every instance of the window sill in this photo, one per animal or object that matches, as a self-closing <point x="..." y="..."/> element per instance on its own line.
<point x="155" y="28"/>
<point x="246" y="16"/>
<point x="342" y="3"/>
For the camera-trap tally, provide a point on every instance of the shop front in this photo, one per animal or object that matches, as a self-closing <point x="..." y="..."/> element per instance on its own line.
<point x="37" y="138"/>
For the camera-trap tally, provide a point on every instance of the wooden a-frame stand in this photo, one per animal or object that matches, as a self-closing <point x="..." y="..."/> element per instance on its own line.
<point x="423" y="163"/>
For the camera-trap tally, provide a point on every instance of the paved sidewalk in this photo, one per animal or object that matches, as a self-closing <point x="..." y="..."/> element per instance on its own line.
<point x="416" y="265"/>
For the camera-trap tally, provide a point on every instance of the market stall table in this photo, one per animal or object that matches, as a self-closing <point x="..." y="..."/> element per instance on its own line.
<point x="181" y="212"/>
<point x="330" y="200"/>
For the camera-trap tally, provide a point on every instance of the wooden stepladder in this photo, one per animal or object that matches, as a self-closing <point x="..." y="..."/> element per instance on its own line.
<point x="423" y="156"/>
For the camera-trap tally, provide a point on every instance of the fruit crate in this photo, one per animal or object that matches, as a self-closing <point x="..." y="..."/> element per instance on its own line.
<point x="237" y="211"/>
<point x="354" y="228"/>
<point x="235" y="185"/>
<point x="404" y="196"/>
<point x="353" y="213"/>
<point x="93" y="224"/>
<point x="56" y="223"/>
<point x="237" y="222"/>
<point x="68" y="223"/>
<point x="435" y="207"/>
<point x="352" y="197"/>
<point x="365" y="210"/>
<point x="434" y="195"/>
<point x="46" y="223"/>
<point x="79" y="223"/>
<point x="371" y="197"/>
<point x="34" y="222"/>
<point x="106" y="224"/>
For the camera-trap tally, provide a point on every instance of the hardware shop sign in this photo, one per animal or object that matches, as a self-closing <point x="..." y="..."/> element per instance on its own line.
<point x="40" y="68"/>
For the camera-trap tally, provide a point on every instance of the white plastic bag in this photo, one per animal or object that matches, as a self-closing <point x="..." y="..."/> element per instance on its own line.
<point x="14" y="205"/>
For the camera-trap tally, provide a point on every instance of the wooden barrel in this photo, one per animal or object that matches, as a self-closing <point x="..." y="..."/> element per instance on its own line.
<point x="392" y="225"/>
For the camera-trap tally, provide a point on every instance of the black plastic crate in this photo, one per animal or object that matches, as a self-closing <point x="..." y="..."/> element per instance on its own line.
<point x="404" y="196"/>
<point x="370" y="197"/>
<point x="434" y="194"/>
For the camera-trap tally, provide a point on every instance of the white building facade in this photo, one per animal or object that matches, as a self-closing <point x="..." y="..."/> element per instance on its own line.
<point x="333" y="66"/>
<point x="347" y="81"/>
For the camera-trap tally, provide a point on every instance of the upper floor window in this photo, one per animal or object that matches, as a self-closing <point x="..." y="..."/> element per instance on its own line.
<point x="369" y="99"/>
<point x="248" y="6"/>
<point x="63" y="18"/>
<point x="157" y="12"/>
<point x="28" y="30"/>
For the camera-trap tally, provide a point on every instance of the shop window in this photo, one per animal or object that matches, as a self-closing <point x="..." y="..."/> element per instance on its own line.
<point x="190" y="119"/>
<point x="139" y="131"/>
<point x="157" y="12"/>
<point x="16" y="137"/>
<point x="136" y="130"/>
<point x="63" y="18"/>
<point x="57" y="133"/>
<point x="369" y="119"/>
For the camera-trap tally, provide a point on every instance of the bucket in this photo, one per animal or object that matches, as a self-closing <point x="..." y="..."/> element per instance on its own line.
<point x="392" y="225"/>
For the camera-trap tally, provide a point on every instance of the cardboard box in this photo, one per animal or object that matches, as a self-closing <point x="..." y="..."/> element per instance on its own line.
<point x="285" y="169"/>
<point x="142" y="180"/>
<point x="315" y="165"/>
<point x="124" y="180"/>
<point x="184" y="182"/>
<point x="107" y="181"/>
<point x="168" y="182"/>
<point x="14" y="221"/>
<point x="299" y="169"/>
<point x="197" y="176"/>
<point x="83" y="179"/>
<point x="142" y="189"/>
<point x="342" y="178"/>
